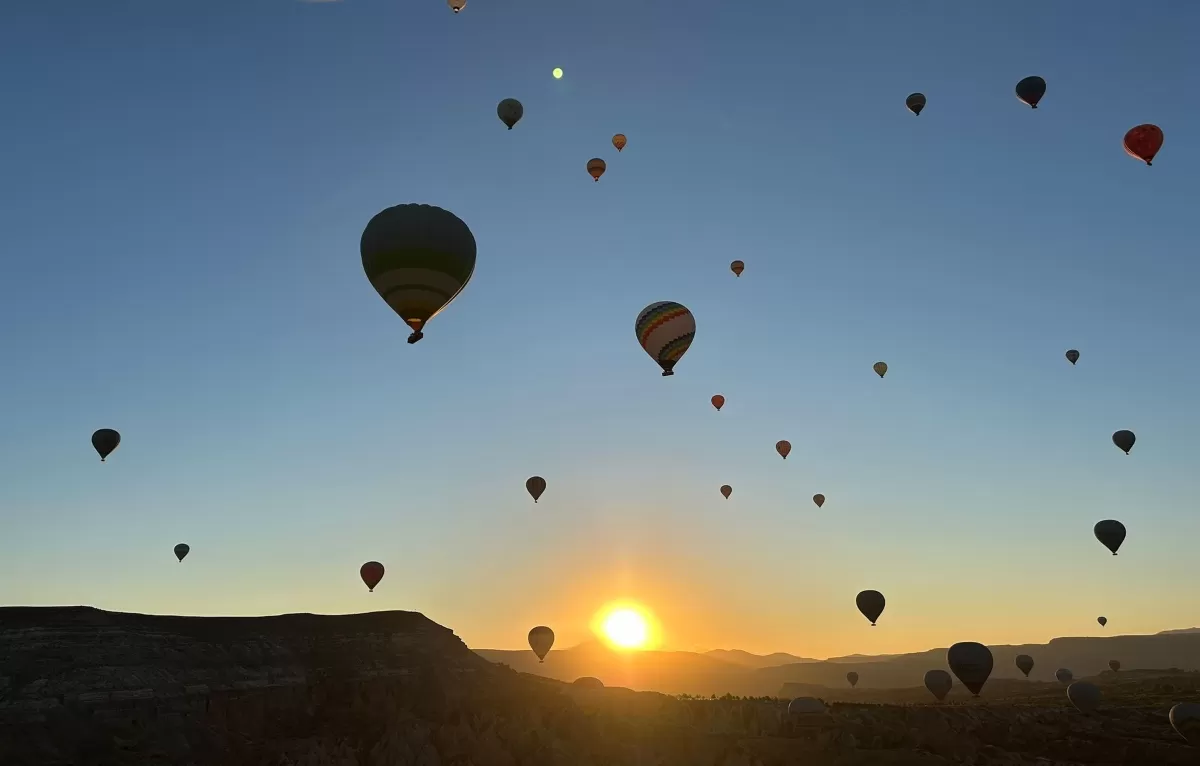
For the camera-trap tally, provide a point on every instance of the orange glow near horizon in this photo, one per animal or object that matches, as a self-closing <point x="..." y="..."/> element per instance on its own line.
<point x="626" y="626"/>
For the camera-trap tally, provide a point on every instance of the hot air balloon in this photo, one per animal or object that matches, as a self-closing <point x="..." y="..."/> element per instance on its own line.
<point x="915" y="103"/>
<point x="806" y="706"/>
<point x="510" y="112"/>
<point x="783" y="447"/>
<point x="1114" y="665"/>
<point x="1185" y="718"/>
<point x="418" y="258"/>
<point x="971" y="664"/>
<point x="819" y="499"/>
<point x="1110" y="533"/>
<point x="456" y="5"/>
<point x="541" y="639"/>
<point x="1072" y="356"/>
<point x="665" y="330"/>
<point x="1084" y="696"/>
<point x="870" y="603"/>
<point x="105" y="441"/>
<point x="938" y="682"/>
<point x="1064" y="676"/>
<point x="852" y="677"/>
<point x="371" y="573"/>
<point x="1102" y="620"/>
<point x="1143" y="142"/>
<point x="737" y="267"/>
<point x="619" y="141"/>
<point x="1124" y="440"/>
<point x="181" y="550"/>
<point x="588" y="682"/>
<point x="596" y="168"/>
<point x="535" y="485"/>
<point x="718" y="401"/>
<point x="1024" y="664"/>
<point x="1030" y="90"/>
<point x="880" y="368"/>
<point x="726" y="490"/>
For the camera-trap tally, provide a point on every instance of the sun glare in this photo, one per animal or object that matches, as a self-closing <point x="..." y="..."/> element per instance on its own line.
<point x="625" y="625"/>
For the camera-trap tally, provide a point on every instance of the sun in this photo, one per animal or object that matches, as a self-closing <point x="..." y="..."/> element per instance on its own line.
<point x="626" y="628"/>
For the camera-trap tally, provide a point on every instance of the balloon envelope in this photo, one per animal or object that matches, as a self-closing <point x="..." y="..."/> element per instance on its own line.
<point x="535" y="485"/>
<point x="870" y="603"/>
<point x="371" y="573"/>
<point x="737" y="267"/>
<point x="1064" y="676"/>
<point x="819" y="499"/>
<point x="1072" y="356"/>
<point x="852" y="677"/>
<point x="1124" y="440"/>
<point x="1185" y="718"/>
<point x="806" y="706"/>
<point x="457" y="5"/>
<point x="1114" y="665"/>
<point x="1111" y="533"/>
<point x="1031" y="89"/>
<point x="510" y="111"/>
<point x="666" y="330"/>
<point x="1102" y="620"/>
<point x="783" y="447"/>
<point x="1143" y="142"/>
<point x="726" y="490"/>
<point x="880" y="368"/>
<point x="181" y="550"/>
<point x="971" y="663"/>
<point x="596" y="168"/>
<point x="105" y="441"/>
<point x="587" y="682"/>
<point x="619" y="141"/>
<point x="938" y="682"/>
<point x="915" y="103"/>
<point x="418" y="258"/>
<point x="1084" y="696"/>
<point x="1024" y="664"/>
<point x="541" y="639"/>
<point x="718" y="401"/>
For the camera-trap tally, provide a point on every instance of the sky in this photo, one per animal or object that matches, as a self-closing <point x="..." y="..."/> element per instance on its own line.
<point x="183" y="186"/>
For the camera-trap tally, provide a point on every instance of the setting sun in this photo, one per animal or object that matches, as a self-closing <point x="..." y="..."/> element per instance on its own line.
<point x="626" y="625"/>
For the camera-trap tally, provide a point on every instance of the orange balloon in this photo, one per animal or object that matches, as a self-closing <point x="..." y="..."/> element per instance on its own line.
<point x="1143" y="142"/>
<point x="783" y="448"/>
<point x="737" y="267"/>
<point x="619" y="141"/>
<point x="718" y="402"/>
<point x="596" y="168"/>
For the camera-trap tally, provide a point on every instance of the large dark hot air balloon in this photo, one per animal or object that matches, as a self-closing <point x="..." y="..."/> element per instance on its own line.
<point x="870" y="603"/>
<point x="510" y="112"/>
<point x="1084" y="696"/>
<point x="852" y="677"/>
<point x="596" y="168"/>
<point x="819" y="499"/>
<point x="1024" y="664"/>
<point x="1031" y="89"/>
<point x="1143" y="142"/>
<point x="1111" y="533"/>
<point x="371" y="573"/>
<point x="1124" y="440"/>
<point x="915" y="103"/>
<point x="535" y="485"/>
<point x="1072" y="356"/>
<point x="666" y="330"/>
<point x="1064" y="676"/>
<point x="418" y="258"/>
<point x="1185" y="719"/>
<point x="541" y="639"/>
<point x="105" y="441"/>
<point x="938" y="682"/>
<point x="726" y="490"/>
<point x="971" y="663"/>
<point x="181" y="550"/>
<point x="1114" y="665"/>
<point x="1102" y="620"/>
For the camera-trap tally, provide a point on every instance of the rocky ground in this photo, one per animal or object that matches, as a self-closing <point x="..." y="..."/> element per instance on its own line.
<point x="84" y="687"/>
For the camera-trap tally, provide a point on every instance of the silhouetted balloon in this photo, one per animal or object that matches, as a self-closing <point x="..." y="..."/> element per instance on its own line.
<point x="880" y="368"/>
<point x="718" y="401"/>
<point x="938" y="682"/>
<point x="1124" y="440"/>
<point x="1024" y="664"/>
<point x="819" y="499"/>
<point x="726" y="490"/>
<point x="371" y="573"/>
<point x="870" y="603"/>
<point x="1114" y="665"/>
<point x="915" y="103"/>
<point x="105" y="441"/>
<point x="1031" y="89"/>
<point x="783" y="447"/>
<point x="619" y="141"/>
<point x="737" y="267"/>
<point x="666" y="330"/>
<point x="852" y="677"/>
<point x="418" y="258"/>
<point x="1143" y="142"/>
<point x="1084" y="696"/>
<point x="971" y="663"/>
<point x="1111" y="533"/>
<point x="1102" y="620"/>
<point x="1072" y="356"/>
<point x="456" y="5"/>
<point x="535" y="485"/>
<point x="541" y="639"/>
<point x="510" y="112"/>
<point x="1064" y="676"/>
<point x="802" y="706"/>
<point x="596" y="168"/>
<point x="1185" y="718"/>
<point x="181" y="550"/>
<point x="587" y="682"/>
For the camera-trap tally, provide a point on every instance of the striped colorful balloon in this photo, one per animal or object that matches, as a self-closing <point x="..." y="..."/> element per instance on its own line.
<point x="665" y="330"/>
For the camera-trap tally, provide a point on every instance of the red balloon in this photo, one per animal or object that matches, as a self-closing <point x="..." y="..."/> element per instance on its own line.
<point x="1143" y="142"/>
<point x="371" y="573"/>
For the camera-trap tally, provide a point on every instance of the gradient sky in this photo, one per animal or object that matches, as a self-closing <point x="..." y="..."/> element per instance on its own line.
<point x="182" y="190"/>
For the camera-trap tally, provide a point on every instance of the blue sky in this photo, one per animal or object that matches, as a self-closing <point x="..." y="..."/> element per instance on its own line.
<point x="182" y="190"/>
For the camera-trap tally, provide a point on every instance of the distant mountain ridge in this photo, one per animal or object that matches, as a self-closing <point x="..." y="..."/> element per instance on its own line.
<point x="749" y="660"/>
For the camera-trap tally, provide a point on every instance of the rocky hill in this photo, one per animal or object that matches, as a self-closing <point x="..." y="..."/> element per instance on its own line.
<point x="83" y="687"/>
